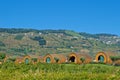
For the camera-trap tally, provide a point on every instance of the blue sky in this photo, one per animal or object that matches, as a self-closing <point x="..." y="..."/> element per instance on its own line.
<point x="91" y="16"/>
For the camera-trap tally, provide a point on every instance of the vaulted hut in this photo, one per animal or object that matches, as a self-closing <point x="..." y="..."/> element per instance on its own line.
<point x="23" y="59"/>
<point x="77" y="58"/>
<point x="54" y="58"/>
<point x="104" y="57"/>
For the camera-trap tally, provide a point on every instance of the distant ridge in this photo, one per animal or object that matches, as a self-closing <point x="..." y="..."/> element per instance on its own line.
<point x="17" y="30"/>
<point x="14" y="41"/>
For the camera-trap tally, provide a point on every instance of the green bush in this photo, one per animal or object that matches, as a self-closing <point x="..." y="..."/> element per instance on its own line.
<point x="34" y="59"/>
<point x="2" y="56"/>
<point x="82" y="59"/>
<point x="41" y="40"/>
<point x="56" y="59"/>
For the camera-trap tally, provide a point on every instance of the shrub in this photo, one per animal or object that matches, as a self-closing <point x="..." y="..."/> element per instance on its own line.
<point x="41" y="40"/>
<point x="82" y="59"/>
<point x="2" y="56"/>
<point x="56" y="59"/>
<point x="34" y="59"/>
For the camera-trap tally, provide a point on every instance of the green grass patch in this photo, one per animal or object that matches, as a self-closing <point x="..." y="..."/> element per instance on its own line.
<point x="40" y="71"/>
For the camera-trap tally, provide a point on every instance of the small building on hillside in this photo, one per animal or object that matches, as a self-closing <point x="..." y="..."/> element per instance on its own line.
<point x="76" y="58"/>
<point x="54" y="58"/>
<point x="104" y="57"/>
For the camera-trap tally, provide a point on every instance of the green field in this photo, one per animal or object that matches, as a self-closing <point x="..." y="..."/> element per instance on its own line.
<point x="10" y="71"/>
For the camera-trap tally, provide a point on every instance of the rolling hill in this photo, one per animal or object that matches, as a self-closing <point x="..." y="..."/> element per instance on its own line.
<point x="19" y="42"/>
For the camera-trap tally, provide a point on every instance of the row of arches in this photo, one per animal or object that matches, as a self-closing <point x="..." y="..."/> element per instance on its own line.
<point x="71" y="58"/>
<point x="103" y="57"/>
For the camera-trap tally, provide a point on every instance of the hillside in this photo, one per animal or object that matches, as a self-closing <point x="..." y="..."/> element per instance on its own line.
<point x="40" y="42"/>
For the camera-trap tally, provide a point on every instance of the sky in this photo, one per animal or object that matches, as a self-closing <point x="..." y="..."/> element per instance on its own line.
<point x="91" y="16"/>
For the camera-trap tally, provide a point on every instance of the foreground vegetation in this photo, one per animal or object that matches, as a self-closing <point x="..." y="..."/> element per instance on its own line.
<point x="10" y="71"/>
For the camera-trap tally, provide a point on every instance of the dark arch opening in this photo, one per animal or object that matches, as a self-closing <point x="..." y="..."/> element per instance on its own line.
<point x="101" y="58"/>
<point x="72" y="59"/>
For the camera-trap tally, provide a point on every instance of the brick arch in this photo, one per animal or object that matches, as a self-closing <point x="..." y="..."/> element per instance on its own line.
<point x="61" y="57"/>
<point x="106" y="56"/>
<point x="77" y="57"/>
<point x="101" y="54"/>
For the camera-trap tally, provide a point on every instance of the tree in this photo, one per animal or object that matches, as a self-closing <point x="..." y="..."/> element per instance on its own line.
<point x="2" y="57"/>
<point x="34" y="59"/>
<point x="82" y="59"/>
<point x="42" y="42"/>
<point x="56" y="59"/>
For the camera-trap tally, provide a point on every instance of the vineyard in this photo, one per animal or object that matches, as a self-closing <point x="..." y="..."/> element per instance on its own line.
<point x="40" y="71"/>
